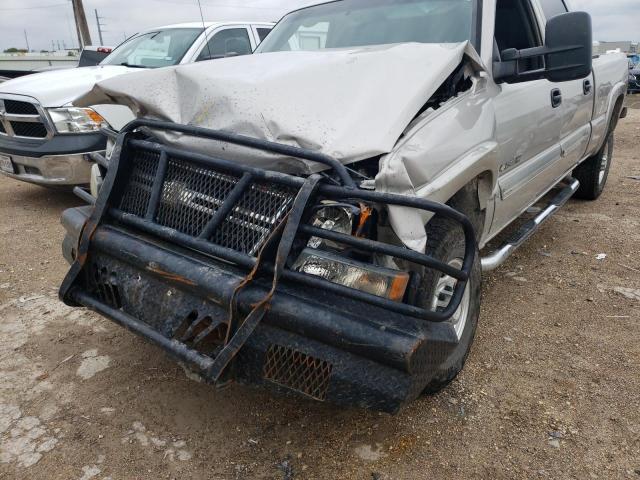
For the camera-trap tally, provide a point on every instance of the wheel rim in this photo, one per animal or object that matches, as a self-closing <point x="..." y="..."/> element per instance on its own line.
<point x="604" y="164"/>
<point x="443" y="294"/>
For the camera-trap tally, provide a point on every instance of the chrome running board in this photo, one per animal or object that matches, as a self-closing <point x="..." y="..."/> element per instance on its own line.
<point x="497" y="258"/>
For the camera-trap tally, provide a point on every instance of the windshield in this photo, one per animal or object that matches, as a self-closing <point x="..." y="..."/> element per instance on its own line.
<point x="162" y="48"/>
<point x="354" y="23"/>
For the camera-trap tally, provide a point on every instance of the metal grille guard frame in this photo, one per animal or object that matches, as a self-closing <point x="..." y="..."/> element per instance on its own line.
<point x="120" y="164"/>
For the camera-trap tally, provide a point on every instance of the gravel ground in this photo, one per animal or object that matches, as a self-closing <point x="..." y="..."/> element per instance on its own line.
<point x="551" y="390"/>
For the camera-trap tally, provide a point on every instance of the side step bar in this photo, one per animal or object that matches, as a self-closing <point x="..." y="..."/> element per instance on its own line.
<point x="525" y="232"/>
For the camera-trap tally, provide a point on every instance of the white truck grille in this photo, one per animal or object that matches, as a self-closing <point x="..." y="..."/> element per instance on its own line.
<point x="22" y="119"/>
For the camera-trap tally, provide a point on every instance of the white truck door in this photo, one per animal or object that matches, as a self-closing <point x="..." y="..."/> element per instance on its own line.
<point x="528" y="125"/>
<point x="577" y="103"/>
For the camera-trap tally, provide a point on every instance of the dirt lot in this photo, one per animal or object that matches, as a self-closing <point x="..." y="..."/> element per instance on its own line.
<point x="551" y="390"/>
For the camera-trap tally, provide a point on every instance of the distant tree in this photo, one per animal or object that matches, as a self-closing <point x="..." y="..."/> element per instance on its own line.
<point x="15" y="50"/>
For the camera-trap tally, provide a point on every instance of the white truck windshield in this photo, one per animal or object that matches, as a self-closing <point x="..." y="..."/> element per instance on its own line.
<point x="354" y="23"/>
<point x="157" y="49"/>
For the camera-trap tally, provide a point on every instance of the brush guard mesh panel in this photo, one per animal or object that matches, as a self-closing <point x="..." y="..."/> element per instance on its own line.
<point x="191" y="195"/>
<point x="298" y="371"/>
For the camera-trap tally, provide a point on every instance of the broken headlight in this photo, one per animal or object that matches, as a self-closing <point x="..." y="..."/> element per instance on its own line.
<point x="379" y="281"/>
<point x="334" y="217"/>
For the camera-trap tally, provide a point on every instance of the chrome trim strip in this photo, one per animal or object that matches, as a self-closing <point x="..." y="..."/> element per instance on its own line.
<point x="11" y="117"/>
<point x="8" y="130"/>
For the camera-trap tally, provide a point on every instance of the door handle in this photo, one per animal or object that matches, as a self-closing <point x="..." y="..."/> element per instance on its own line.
<point x="556" y="98"/>
<point x="587" y="86"/>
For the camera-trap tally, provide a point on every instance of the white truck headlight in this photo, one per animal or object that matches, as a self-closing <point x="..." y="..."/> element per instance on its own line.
<point x="379" y="281"/>
<point x="76" y="120"/>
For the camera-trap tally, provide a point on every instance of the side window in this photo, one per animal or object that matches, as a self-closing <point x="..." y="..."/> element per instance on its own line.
<point x="232" y="41"/>
<point x="263" y="32"/>
<point x="551" y="8"/>
<point x="516" y="28"/>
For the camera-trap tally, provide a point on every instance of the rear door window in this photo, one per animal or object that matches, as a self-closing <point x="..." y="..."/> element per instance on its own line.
<point x="263" y="32"/>
<point x="225" y="43"/>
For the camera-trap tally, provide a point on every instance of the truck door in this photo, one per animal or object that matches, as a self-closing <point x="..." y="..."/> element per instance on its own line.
<point x="528" y="122"/>
<point x="577" y="103"/>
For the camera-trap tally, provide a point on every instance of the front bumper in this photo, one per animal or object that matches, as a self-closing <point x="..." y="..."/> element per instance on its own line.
<point x="52" y="170"/>
<point x="62" y="160"/>
<point x="311" y="343"/>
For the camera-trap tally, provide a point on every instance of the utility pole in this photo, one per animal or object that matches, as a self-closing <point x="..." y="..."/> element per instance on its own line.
<point x="26" y="39"/>
<point x="100" y="25"/>
<point x="84" y="37"/>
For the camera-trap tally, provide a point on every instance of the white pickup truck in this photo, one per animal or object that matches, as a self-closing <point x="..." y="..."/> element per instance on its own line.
<point x="47" y="141"/>
<point x="311" y="218"/>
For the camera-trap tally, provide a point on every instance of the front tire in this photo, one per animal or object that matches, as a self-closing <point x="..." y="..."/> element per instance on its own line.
<point x="446" y="243"/>
<point x="594" y="172"/>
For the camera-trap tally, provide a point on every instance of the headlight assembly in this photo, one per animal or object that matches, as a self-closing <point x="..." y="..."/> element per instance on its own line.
<point x="380" y="281"/>
<point x="76" y="120"/>
<point x="337" y="218"/>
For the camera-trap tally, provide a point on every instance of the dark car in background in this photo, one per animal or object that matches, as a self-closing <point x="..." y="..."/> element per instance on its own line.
<point x="634" y="80"/>
<point x="92" y="56"/>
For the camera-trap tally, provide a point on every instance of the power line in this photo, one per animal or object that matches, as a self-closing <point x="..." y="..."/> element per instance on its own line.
<point x="221" y="5"/>
<point x="35" y="8"/>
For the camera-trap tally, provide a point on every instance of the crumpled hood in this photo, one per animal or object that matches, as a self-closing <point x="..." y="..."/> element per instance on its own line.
<point x="351" y="104"/>
<point x="56" y="88"/>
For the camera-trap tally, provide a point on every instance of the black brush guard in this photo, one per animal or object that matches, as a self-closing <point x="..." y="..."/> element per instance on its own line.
<point x="148" y="269"/>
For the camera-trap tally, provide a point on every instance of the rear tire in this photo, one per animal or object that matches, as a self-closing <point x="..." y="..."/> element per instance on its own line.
<point x="445" y="242"/>
<point x="594" y="172"/>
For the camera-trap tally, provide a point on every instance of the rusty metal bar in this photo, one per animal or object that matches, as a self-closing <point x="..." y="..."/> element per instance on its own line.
<point x="177" y="349"/>
<point x="249" y="142"/>
<point x="385" y="249"/>
<point x="182" y="239"/>
<point x="158" y="183"/>
<point x="227" y="206"/>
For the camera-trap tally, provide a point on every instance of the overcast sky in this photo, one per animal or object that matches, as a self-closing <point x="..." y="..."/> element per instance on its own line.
<point x="47" y="20"/>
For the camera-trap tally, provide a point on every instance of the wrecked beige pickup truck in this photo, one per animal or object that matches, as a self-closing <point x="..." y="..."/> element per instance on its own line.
<point x="310" y="218"/>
